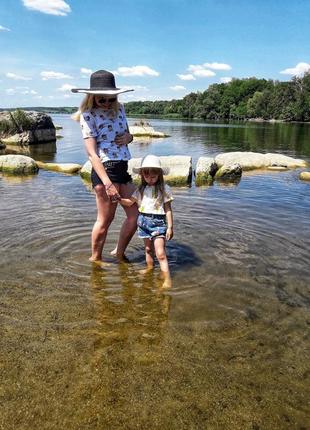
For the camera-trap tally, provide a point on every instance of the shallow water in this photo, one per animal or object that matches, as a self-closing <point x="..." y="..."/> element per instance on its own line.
<point x="226" y="348"/>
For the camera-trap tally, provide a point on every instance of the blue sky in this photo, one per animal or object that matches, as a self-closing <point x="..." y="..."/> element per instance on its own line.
<point x="163" y="48"/>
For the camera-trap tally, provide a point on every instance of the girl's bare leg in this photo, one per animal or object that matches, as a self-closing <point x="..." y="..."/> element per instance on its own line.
<point x="160" y="251"/>
<point x="105" y="214"/>
<point x="149" y="256"/>
<point x="129" y="225"/>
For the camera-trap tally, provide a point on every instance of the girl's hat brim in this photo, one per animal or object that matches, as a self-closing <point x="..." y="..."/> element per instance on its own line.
<point x="100" y="91"/>
<point x="165" y="170"/>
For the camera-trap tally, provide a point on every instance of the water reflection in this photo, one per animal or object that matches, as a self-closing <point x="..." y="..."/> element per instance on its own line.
<point x="32" y="150"/>
<point x="128" y="307"/>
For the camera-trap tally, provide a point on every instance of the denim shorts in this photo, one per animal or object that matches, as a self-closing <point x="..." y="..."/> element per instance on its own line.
<point x="151" y="226"/>
<point x="116" y="171"/>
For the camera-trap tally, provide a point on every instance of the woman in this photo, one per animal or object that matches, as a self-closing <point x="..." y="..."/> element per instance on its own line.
<point x="106" y="136"/>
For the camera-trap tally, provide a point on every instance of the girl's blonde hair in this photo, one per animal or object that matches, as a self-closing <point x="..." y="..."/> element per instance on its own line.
<point x="89" y="103"/>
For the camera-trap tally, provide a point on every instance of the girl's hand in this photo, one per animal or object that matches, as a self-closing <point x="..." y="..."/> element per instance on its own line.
<point x="169" y="233"/>
<point x="123" y="139"/>
<point x="112" y="192"/>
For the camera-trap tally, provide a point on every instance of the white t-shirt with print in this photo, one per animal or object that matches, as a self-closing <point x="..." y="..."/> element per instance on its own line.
<point x="149" y="204"/>
<point x="104" y="127"/>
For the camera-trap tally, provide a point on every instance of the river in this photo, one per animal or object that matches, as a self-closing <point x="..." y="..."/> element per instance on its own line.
<point x="226" y="348"/>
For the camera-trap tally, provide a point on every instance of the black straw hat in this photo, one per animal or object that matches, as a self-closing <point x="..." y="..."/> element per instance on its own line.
<point x="101" y="82"/>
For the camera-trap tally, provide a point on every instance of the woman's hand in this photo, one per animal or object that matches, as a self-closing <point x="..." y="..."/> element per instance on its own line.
<point x="123" y="139"/>
<point x="112" y="192"/>
<point x="169" y="233"/>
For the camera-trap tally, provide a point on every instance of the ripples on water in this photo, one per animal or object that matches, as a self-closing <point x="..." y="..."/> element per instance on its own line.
<point x="225" y="348"/>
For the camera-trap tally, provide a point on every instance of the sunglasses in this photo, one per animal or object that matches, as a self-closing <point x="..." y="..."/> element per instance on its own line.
<point x="106" y="100"/>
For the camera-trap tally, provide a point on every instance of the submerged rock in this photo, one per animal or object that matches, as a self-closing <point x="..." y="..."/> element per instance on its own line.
<point x="60" y="167"/>
<point x="18" y="165"/>
<point x="26" y="128"/>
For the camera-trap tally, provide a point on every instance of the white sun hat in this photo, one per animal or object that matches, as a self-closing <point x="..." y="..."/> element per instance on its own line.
<point x="151" y="162"/>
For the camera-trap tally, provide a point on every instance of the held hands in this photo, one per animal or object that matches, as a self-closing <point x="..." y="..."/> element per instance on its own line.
<point x="123" y="139"/>
<point x="169" y="233"/>
<point x="112" y="192"/>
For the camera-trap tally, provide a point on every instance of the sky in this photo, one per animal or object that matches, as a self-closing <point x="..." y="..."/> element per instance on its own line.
<point x="163" y="49"/>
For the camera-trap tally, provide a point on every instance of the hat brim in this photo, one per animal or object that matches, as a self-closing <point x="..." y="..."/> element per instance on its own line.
<point x="98" y="92"/>
<point x="137" y="170"/>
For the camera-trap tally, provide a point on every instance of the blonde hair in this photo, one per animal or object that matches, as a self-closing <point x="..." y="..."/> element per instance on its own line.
<point x="89" y="103"/>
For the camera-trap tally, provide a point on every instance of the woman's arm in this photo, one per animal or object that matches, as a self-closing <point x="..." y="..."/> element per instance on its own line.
<point x="91" y="146"/>
<point x="168" y="212"/>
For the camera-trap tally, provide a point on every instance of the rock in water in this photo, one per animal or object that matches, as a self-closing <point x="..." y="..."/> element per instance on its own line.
<point x="17" y="165"/>
<point x="26" y="128"/>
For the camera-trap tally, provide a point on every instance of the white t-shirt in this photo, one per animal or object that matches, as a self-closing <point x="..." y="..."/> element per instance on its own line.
<point x="149" y="204"/>
<point x="104" y="127"/>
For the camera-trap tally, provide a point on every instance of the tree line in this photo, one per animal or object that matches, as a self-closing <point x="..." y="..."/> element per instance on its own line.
<point x="240" y="99"/>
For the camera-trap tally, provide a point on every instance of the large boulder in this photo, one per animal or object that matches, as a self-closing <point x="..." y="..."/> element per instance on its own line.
<point x="17" y="165"/>
<point x="206" y="168"/>
<point x="255" y="160"/>
<point x="26" y="128"/>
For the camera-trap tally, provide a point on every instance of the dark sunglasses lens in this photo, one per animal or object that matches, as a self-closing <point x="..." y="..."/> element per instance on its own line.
<point x="104" y="100"/>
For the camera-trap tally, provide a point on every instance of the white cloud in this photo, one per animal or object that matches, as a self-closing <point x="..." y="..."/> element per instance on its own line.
<point x="135" y="71"/>
<point x="54" y="75"/>
<point x="217" y="66"/>
<point x="187" y="77"/>
<point x="66" y="87"/>
<point x="17" y="77"/>
<point x="177" y="88"/>
<point x="135" y="87"/>
<point x="10" y="91"/>
<point x="29" y="92"/>
<point x="86" y="72"/>
<point x="51" y="7"/>
<point x="225" y="80"/>
<point x="4" y="28"/>
<point x="298" y="70"/>
<point x="200" y="71"/>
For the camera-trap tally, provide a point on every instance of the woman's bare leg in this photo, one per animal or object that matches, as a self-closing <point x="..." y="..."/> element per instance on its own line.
<point x="105" y="214"/>
<point x="130" y="224"/>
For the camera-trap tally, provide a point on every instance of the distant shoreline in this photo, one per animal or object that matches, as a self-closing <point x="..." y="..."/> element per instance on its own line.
<point x="70" y="110"/>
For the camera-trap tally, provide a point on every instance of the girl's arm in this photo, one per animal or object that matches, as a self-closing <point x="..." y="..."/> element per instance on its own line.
<point x="91" y="145"/>
<point x="127" y="202"/>
<point x="168" y="212"/>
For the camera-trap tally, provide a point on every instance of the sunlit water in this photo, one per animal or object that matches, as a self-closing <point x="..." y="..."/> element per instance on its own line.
<point x="226" y="348"/>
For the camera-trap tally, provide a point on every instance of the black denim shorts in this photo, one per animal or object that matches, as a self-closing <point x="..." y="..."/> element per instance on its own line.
<point x="117" y="171"/>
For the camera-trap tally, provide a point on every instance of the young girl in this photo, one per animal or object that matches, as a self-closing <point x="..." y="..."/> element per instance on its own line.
<point x="155" y="222"/>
